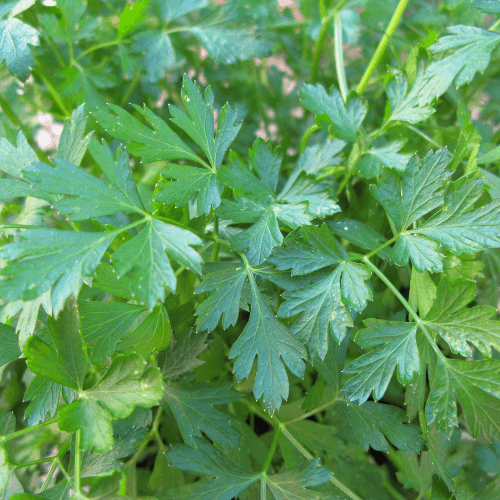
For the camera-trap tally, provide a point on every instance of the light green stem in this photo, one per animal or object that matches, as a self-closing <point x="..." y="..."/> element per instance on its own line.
<point x="318" y="49"/>
<point x="307" y="134"/>
<point x="22" y="432"/>
<point x="272" y="450"/>
<point x="78" y="463"/>
<point x="398" y="13"/>
<point x="339" y="57"/>
<point x="97" y="47"/>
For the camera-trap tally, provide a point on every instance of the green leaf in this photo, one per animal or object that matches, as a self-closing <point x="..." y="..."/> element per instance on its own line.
<point x="323" y="251"/>
<point x="131" y="17"/>
<point x="265" y="336"/>
<point x="459" y="326"/>
<point x="420" y="191"/>
<point x="371" y="163"/>
<point x="459" y="229"/>
<point x="424" y="253"/>
<point x="321" y="311"/>
<point x="229" y="478"/>
<point x="91" y="197"/>
<point x="472" y="48"/>
<point x="94" y="464"/>
<point x="66" y="363"/>
<point x="182" y="354"/>
<point x="14" y="159"/>
<point x="174" y="9"/>
<point x="225" y="300"/>
<point x="189" y="181"/>
<point x="15" y="36"/>
<point x="125" y="384"/>
<point x="409" y="106"/>
<point x="344" y="122"/>
<point x="476" y="385"/>
<point x="395" y="344"/>
<point x="198" y="121"/>
<point x="106" y="323"/>
<point x="9" y="345"/>
<point x="73" y="143"/>
<point x="294" y="482"/>
<point x="490" y="6"/>
<point x="152" y="335"/>
<point x="92" y="420"/>
<point x="45" y="258"/>
<point x="422" y="292"/>
<point x="161" y="143"/>
<point x="145" y="258"/>
<point x="44" y="395"/>
<point x="193" y="408"/>
<point x="159" y="54"/>
<point x="375" y="423"/>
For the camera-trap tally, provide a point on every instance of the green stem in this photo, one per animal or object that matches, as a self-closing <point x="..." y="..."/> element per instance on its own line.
<point x="307" y="134"/>
<point x="351" y="163"/>
<point x="35" y="462"/>
<point x="339" y="484"/>
<point x="291" y="24"/>
<point x="216" y="247"/>
<point x="47" y="480"/>
<point x="53" y="91"/>
<point x="495" y="25"/>
<point x="130" y="89"/>
<point x="272" y="449"/>
<point x="322" y="8"/>
<point x="339" y="57"/>
<point x="406" y="305"/>
<point x="381" y="247"/>
<point x="97" y="47"/>
<point x="318" y="49"/>
<point x="424" y="135"/>
<point x="382" y="46"/>
<point x="313" y="411"/>
<point x="22" y="432"/>
<point x="78" y="463"/>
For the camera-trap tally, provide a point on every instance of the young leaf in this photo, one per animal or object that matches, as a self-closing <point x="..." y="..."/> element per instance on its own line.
<point x="126" y="383"/>
<point x="223" y="302"/>
<point x="409" y="106"/>
<point x="45" y="258"/>
<point x="131" y="17"/>
<point x="189" y="182"/>
<point x="458" y="326"/>
<point x="345" y="122"/>
<point x="14" y="159"/>
<point x="266" y="337"/>
<point x="395" y="344"/>
<point x="152" y="335"/>
<point x="476" y="385"/>
<point x="198" y="122"/>
<point x="73" y="143"/>
<point x="420" y="191"/>
<point x="371" y="163"/>
<point x="150" y="270"/>
<point x="44" y="395"/>
<point x="66" y="363"/>
<point x="472" y="53"/>
<point x="193" y="409"/>
<point x="174" y="9"/>
<point x="106" y="323"/>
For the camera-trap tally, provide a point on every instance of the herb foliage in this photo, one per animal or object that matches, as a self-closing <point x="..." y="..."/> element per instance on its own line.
<point x="189" y="311"/>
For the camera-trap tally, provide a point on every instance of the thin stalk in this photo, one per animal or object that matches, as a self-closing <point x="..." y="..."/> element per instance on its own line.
<point x="78" y="463"/>
<point x="216" y="247"/>
<point x="318" y="49"/>
<point x="381" y="247"/>
<point x="46" y="482"/>
<point x="339" y="56"/>
<point x="53" y="91"/>
<point x="272" y="449"/>
<point x="291" y="24"/>
<point x="495" y="25"/>
<point x="22" y="432"/>
<point x="313" y="411"/>
<point x="130" y="89"/>
<point x="35" y="462"/>
<point x="382" y="46"/>
<point x="339" y="484"/>
<point x="97" y="47"/>
<point x="406" y="305"/>
<point x="351" y="163"/>
<point x="307" y="134"/>
<point x="424" y="135"/>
